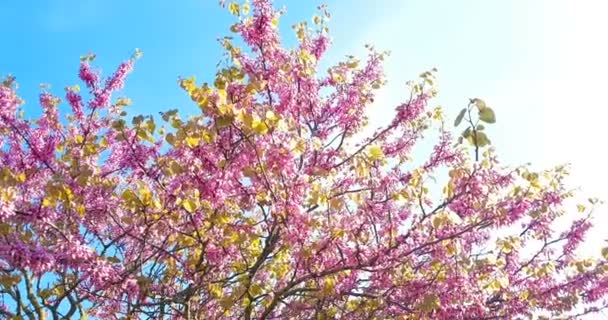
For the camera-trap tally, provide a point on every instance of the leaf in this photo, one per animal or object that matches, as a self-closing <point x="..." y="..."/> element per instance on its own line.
<point x="503" y="281"/>
<point x="375" y="152"/>
<point x="271" y="116"/>
<point x="215" y="290"/>
<point x="5" y="229"/>
<point x="113" y="259"/>
<point x="9" y="280"/>
<point x="460" y="117"/>
<point x="299" y="146"/>
<point x="190" y="205"/>
<point x="233" y="7"/>
<point x="336" y="203"/>
<point x="255" y="290"/>
<point x="438" y="221"/>
<point x="259" y="127"/>
<point x="329" y="284"/>
<point x="487" y="115"/>
<point x="45" y="293"/>
<point x="223" y="121"/>
<point x="481" y="139"/>
<point x="430" y="303"/>
<point x="81" y="210"/>
<point x="480" y="104"/>
<point x="192" y="142"/>
<point x="605" y="253"/>
<point x="245" y="9"/>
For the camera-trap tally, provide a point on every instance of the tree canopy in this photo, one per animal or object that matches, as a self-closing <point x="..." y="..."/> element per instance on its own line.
<point x="272" y="202"/>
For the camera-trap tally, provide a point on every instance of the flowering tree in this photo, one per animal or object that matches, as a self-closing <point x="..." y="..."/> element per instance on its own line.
<point x="268" y="205"/>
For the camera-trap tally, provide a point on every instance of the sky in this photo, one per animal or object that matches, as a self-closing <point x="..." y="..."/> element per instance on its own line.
<point x="541" y="64"/>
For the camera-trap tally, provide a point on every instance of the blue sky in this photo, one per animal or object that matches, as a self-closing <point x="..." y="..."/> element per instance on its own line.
<point x="540" y="64"/>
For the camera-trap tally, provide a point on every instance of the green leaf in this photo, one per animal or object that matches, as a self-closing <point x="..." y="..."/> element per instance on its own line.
<point x="480" y="127"/>
<point x="459" y="117"/>
<point x="481" y="139"/>
<point x="480" y="104"/>
<point x="487" y="115"/>
<point x="113" y="259"/>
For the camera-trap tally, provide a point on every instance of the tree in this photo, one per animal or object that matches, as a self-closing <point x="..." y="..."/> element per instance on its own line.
<point x="267" y="205"/>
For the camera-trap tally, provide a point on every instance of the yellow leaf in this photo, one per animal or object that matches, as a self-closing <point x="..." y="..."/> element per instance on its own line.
<point x="233" y="7"/>
<point x="336" y="203"/>
<point x="9" y="280"/>
<point x="438" y="221"/>
<point x="337" y="78"/>
<point x="81" y="210"/>
<point x="5" y="229"/>
<point x="176" y="168"/>
<point x="45" y="293"/>
<point x="221" y="93"/>
<point x="255" y="290"/>
<point x="317" y="144"/>
<point x="46" y="202"/>
<point x="128" y="195"/>
<point x="223" y="121"/>
<point x="192" y="142"/>
<point x="245" y="118"/>
<point x="361" y="169"/>
<point x="306" y="57"/>
<point x="375" y="152"/>
<point x="259" y="127"/>
<point x="190" y="205"/>
<point x="430" y="303"/>
<point x="329" y="284"/>
<point x="271" y="116"/>
<point x="275" y="21"/>
<point x="67" y="193"/>
<point x="145" y="196"/>
<point x="246" y="8"/>
<point x="215" y="290"/>
<point x="226" y="109"/>
<point x="299" y="147"/>
<point x="226" y="303"/>
<point x="453" y="217"/>
<point x="503" y="281"/>
<point x="157" y="204"/>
